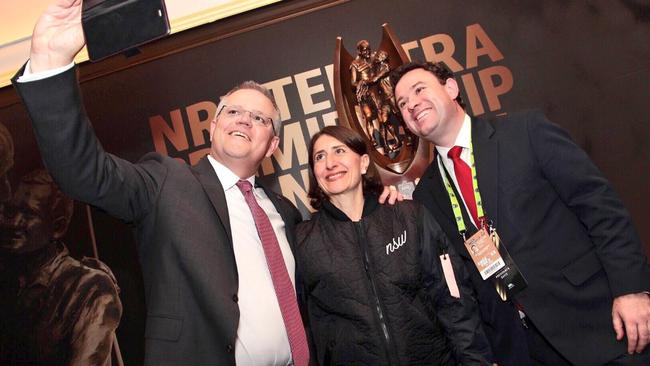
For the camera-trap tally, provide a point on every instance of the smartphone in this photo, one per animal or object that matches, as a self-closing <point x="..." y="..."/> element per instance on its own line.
<point x="114" y="26"/>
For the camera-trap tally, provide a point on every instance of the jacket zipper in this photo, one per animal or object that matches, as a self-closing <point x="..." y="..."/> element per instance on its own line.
<point x="358" y="226"/>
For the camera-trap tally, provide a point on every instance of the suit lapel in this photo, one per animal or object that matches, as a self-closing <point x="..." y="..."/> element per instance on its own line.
<point x="433" y="194"/>
<point x="440" y="195"/>
<point x="486" y="149"/>
<point x="205" y="174"/>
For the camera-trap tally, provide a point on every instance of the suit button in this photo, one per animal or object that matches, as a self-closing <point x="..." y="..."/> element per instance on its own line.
<point x="229" y="348"/>
<point x="235" y="298"/>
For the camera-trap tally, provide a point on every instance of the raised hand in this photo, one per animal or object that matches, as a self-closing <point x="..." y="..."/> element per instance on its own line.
<point x="58" y="36"/>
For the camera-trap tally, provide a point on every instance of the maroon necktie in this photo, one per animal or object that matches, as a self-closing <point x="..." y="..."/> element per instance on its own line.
<point x="464" y="178"/>
<point x="281" y="282"/>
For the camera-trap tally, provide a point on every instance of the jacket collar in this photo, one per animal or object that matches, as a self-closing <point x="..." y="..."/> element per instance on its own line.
<point x="205" y="174"/>
<point x="486" y="149"/>
<point x="369" y="205"/>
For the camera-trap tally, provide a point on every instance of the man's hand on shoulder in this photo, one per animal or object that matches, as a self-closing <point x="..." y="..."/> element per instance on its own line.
<point x="631" y="317"/>
<point x="58" y="36"/>
<point x="390" y="194"/>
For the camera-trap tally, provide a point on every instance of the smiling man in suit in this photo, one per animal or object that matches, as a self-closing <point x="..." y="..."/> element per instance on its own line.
<point x="215" y="247"/>
<point x="561" y="221"/>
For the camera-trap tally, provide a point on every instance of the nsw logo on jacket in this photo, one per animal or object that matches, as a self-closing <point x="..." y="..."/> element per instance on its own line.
<point x="396" y="243"/>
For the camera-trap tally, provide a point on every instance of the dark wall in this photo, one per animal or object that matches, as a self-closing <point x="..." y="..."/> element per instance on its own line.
<point x="585" y="64"/>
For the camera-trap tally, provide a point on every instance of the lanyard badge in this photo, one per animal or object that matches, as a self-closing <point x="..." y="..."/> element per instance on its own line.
<point x="488" y="252"/>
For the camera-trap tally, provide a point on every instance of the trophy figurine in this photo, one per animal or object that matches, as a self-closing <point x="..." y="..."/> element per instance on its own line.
<point x="365" y="102"/>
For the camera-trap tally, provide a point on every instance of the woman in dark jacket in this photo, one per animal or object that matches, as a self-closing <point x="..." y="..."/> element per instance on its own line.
<point x="375" y="288"/>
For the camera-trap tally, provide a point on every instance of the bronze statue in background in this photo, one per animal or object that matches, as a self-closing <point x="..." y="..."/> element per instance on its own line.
<point x="54" y="309"/>
<point x="363" y="84"/>
<point x="394" y="134"/>
<point x="374" y="94"/>
<point x="365" y="102"/>
<point x="366" y="73"/>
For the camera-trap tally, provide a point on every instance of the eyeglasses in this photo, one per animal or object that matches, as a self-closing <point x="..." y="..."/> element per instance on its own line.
<point x="233" y="112"/>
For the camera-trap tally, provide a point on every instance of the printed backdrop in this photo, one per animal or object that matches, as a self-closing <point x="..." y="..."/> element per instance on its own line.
<point x="585" y="64"/>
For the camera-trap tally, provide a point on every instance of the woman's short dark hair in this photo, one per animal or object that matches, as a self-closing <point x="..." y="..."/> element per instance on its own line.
<point x="371" y="182"/>
<point x="438" y="69"/>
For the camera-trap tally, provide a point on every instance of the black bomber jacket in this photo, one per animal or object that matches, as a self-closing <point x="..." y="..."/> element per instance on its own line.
<point x="375" y="292"/>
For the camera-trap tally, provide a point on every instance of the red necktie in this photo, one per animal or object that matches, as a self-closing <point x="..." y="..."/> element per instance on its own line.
<point x="281" y="282"/>
<point x="464" y="178"/>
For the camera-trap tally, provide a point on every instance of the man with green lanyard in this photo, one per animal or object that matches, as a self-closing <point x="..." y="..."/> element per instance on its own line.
<point x="560" y="275"/>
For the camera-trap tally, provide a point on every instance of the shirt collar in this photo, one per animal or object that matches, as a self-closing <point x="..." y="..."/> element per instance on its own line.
<point x="463" y="139"/>
<point x="226" y="176"/>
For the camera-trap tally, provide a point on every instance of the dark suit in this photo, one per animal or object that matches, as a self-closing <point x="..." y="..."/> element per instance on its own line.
<point x="180" y="218"/>
<point x="566" y="229"/>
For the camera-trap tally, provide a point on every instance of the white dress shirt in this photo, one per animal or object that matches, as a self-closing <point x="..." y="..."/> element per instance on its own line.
<point x="28" y="76"/>
<point x="463" y="140"/>
<point x="261" y="337"/>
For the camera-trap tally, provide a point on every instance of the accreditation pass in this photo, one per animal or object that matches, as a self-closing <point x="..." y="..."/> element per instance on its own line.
<point x="484" y="253"/>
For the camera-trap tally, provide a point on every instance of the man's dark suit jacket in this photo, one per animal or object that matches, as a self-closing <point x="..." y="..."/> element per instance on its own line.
<point x="566" y="229"/>
<point x="180" y="218"/>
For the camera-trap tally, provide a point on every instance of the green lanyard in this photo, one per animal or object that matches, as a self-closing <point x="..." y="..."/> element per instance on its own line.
<point x="455" y="206"/>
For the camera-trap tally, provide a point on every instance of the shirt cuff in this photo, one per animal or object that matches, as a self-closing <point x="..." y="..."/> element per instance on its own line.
<point x="28" y="76"/>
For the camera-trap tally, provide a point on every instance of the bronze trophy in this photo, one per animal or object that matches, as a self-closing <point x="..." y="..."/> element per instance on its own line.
<point x="365" y="102"/>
